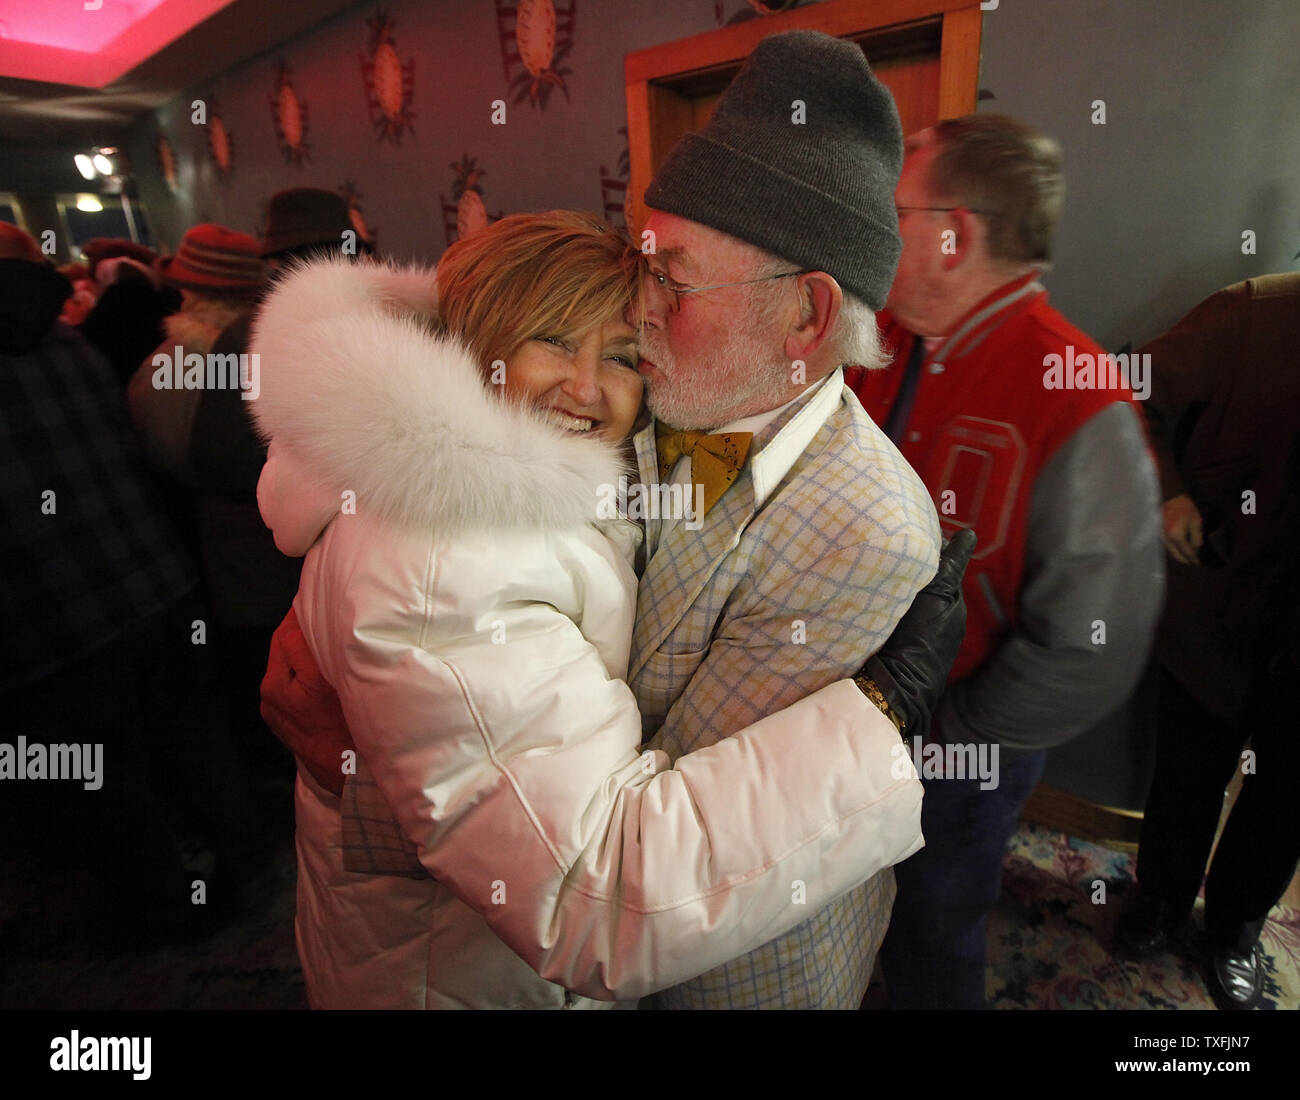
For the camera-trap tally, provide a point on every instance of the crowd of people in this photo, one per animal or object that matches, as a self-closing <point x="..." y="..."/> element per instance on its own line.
<point x="143" y="586"/>
<point x="548" y="755"/>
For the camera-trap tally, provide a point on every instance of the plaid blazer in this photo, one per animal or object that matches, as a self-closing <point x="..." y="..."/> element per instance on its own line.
<point x="798" y="574"/>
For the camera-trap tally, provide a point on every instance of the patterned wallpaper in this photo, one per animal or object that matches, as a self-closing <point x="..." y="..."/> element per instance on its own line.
<point x="432" y="115"/>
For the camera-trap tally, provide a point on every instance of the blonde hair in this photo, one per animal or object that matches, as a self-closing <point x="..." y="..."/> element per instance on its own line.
<point x="532" y="275"/>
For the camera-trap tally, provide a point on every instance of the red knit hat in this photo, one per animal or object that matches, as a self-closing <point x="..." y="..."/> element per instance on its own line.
<point x="217" y="261"/>
<point x="108" y="248"/>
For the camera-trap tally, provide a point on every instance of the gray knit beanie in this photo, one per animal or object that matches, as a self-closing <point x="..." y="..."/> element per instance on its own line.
<point x="817" y="192"/>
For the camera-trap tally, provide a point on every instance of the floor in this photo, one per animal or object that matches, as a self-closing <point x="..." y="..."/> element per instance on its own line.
<point x="1048" y="942"/>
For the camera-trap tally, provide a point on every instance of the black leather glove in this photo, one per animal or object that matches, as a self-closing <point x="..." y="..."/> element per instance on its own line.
<point x="912" y="666"/>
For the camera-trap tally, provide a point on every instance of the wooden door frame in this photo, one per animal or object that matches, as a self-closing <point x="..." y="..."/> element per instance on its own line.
<point x="646" y="71"/>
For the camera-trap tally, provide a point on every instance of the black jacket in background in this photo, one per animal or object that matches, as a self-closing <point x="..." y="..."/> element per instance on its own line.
<point x="250" y="583"/>
<point x="127" y="322"/>
<point x="31" y="299"/>
<point x="85" y="549"/>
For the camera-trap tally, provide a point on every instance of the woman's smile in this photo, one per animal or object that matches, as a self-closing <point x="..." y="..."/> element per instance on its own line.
<point x="570" y="422"/>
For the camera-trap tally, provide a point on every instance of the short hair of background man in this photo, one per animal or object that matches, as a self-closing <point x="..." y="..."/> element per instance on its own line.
<point x="999" y="165"/>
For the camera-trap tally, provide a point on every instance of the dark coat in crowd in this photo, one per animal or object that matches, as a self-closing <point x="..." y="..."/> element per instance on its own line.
<point x="1224" y="413"/>
<point x="250" y="583"/>
<point x="85" y="550"/>
<point x="101" y="641"/>
<point x="127" y="321"/>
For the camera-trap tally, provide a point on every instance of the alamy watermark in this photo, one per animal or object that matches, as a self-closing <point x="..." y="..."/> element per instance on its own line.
<point x="192" y="371"/>
<point x="660" y="501"/>
<point x="84" y="763"/>
<point x="1085" y="371"/>
<point x="130" y="1054"/>
<point x="955" y="761"/>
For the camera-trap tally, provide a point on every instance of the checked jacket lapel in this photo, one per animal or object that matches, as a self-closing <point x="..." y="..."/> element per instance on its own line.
<point x="647" y="462"/>
<point x="680" y="564"/>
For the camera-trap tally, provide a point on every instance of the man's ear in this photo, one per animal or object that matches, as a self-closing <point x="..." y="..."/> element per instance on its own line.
<point x="820" y="298"/>
<point x="968" y="239"/>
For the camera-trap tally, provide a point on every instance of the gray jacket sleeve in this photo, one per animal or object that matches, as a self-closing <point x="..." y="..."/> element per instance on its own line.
<point x="1094" y="569"/>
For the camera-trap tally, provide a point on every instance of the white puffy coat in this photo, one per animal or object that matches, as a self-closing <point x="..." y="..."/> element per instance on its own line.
<point x="476" y="625"/>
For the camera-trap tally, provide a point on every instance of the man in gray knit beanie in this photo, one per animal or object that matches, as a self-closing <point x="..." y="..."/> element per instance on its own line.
<point x="799" y="163"/>
<point x="801" y="159"/>
<point x="771" y="241"/>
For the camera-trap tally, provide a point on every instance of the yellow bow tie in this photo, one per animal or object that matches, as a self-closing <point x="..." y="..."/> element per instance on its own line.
<point x="716" y="460"/>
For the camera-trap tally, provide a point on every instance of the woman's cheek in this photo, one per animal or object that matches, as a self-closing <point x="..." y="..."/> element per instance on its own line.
<point x="626" y="402"/>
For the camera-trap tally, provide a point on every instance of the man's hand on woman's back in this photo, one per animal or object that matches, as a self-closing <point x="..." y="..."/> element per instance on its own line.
<point x="302" y="709"/>
<point x="911" y="668"/>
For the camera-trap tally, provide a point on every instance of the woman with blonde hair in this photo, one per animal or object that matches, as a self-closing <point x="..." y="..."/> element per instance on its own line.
<point x="496" y="838"/>
<point x="219" y="276"/>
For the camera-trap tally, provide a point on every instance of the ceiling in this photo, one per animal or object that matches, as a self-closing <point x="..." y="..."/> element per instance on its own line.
<point x="142" y="52"/>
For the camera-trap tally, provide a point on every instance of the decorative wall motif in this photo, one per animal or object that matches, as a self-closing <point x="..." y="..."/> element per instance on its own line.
<point x="536" y="36"/>
<point x="468" y="214"/>
<point x="167" y="162"/>
<point x="220" y="144"/>
<point x="613" y="189"/>
<point x="353" y="198"/>
<point x="390" y="82"/>
<point x="290" y="116"/>
<point x="469" y="209"/>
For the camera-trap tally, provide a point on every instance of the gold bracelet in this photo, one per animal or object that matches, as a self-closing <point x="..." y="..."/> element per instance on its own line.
<point x="872" y="691"/>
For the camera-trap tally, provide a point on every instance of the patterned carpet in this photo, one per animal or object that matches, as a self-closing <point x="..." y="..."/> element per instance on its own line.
<point x="1047" y="943"/>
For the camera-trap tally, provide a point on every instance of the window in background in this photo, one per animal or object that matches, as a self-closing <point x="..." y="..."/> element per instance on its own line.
<point x="86" y="216"/>
<point x="10" y="211"/>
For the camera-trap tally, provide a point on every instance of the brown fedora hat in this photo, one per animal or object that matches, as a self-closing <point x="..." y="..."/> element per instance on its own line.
<point x="304" y="216"/>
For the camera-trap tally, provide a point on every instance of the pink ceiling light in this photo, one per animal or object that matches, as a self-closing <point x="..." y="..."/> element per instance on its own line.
<point x="91" y="43"/>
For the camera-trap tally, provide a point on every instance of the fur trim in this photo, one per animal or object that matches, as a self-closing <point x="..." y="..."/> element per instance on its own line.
<point x="355" y="386"/>
<point x="197" y="324"/>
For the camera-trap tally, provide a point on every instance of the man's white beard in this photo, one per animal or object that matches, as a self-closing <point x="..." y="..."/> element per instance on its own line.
<point x="738" y="378"/>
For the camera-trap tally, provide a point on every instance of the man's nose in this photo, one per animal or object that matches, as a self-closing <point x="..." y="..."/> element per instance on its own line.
<point x="653" y="315"/>
<point x="638" y="314"/>
<point x="655" y="304"/>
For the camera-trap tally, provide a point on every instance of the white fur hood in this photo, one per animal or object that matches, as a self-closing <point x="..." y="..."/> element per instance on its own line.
<point x="358" y="394"/>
